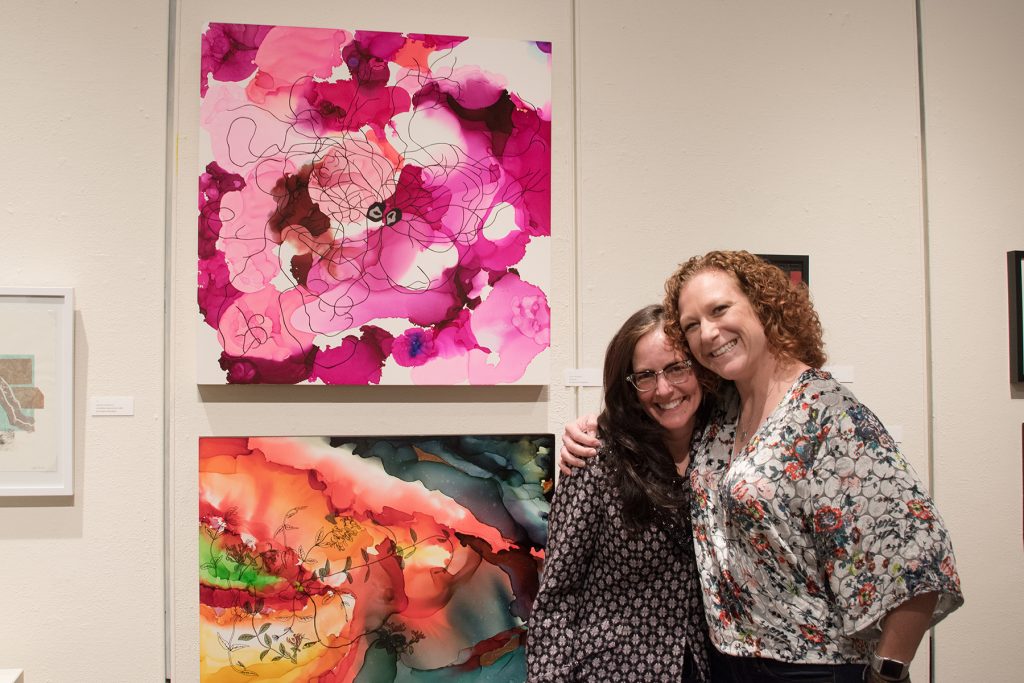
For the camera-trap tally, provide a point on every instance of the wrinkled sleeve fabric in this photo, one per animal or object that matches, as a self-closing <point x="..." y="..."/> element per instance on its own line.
<point x="574" y="529"/>
<point x="875" y="528"/>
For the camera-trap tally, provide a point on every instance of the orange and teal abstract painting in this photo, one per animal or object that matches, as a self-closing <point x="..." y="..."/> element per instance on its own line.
<point x="374" y="207"/>
<point x="369" y="559"/>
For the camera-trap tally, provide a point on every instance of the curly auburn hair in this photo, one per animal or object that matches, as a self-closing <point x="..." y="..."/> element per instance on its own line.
<point x="642" y="468"/>
<point x="791" y="325"/>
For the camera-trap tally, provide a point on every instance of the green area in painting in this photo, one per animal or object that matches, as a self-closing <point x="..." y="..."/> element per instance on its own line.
<point x="218" y="569"/>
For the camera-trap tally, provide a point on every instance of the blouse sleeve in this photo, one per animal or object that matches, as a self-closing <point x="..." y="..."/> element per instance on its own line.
<point x="876" y="531"/>
<point x="574" y="527"/>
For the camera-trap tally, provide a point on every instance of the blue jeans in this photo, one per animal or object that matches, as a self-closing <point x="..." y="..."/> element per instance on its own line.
<point x="728" y="669"/>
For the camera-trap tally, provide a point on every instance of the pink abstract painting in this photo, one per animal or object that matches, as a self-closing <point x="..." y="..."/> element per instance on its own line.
<point x="373" y="208"/>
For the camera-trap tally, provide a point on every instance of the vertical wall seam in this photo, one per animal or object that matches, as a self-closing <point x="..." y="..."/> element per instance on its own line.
<point x="577" y="209"/>
<point x="926" y="253"/>
<point x="926" y="244"/>
<point x="170" y="166"/>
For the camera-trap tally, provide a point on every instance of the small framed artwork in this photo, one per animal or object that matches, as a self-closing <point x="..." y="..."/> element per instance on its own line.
<point x="1015" y="282"/>
<point x="797" y="266"/>
<point x="36" y="391"/>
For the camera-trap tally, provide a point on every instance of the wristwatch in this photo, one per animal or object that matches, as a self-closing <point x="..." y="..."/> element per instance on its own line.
<point x="889" y="669"/>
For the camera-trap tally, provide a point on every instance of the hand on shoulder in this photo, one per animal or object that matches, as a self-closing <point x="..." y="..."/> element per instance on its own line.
<point x="579" y="442"/>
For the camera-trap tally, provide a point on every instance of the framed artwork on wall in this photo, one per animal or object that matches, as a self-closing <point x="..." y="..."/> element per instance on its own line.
<point x="374" y="208"/>
<point x="1015" y="281"/>
<point x="795" y="265"/>
<point x="370" y="558"/>
<point x="36" y="391"/>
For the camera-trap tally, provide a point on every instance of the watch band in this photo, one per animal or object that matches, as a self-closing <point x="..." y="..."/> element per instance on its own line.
<point x="890" y="669"/>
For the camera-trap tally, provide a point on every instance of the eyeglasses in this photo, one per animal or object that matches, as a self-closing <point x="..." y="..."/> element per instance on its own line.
<point x="676" y="373"/>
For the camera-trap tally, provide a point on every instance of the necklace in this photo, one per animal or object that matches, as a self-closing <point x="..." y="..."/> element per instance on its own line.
<point x="742" y="437"/>
<point x="745" y="428"/>
<point x="744" y="434"/>
<point x="778" y="388"/>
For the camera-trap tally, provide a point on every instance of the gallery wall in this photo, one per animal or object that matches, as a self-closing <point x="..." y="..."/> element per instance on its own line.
<point x="789" y="128"/>
<point x="82" y="129"/>
<point x="337" y="410"/>
<point x="974" y="105"/>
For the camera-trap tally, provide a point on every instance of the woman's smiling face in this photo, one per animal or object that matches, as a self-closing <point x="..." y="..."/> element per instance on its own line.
<point x="673" y="406"/>
<point x="721" y="326"/>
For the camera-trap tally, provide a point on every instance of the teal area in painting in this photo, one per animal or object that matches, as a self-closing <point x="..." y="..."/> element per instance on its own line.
<point x="10" y="407"/>
<point x="480" y="470"/>
<point x="382" y="666"/>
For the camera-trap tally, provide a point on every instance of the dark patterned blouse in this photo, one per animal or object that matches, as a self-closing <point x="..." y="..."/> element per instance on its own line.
<point x="615" y="603"/>
<point x="814" y="530"/>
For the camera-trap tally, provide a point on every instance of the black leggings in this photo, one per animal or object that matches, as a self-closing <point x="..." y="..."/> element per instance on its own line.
<point x="728" y="669"/>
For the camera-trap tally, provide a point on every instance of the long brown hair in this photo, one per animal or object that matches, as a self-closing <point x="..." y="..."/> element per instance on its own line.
<point x="791" y="324"/>
<point x="642" y="468"/>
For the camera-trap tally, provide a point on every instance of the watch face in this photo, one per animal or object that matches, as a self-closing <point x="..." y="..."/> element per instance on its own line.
<point x="891" y="668"/>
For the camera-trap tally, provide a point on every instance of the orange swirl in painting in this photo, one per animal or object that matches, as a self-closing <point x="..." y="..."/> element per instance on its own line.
<point x="369" y="558"/>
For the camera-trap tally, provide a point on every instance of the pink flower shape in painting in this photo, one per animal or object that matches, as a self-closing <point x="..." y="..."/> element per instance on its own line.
<point x="353" y="174"/>
<point x="514" y="322"/>
<point x="228" y="52"/>
<point x="532" y="317"/>
<point x="414" y="347"/>
<point x="288" y="56"/>
<point x="256" y="326"/>
<point x="356" y="360"/>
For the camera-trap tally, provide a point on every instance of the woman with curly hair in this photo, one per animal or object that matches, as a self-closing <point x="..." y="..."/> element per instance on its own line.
<point x="619" y="595"/>
<point x="821" y="555"/>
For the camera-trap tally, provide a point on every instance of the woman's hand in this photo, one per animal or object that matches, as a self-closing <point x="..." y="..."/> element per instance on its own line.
<point x="902" y="630"/>
<point x="578" y="443"/>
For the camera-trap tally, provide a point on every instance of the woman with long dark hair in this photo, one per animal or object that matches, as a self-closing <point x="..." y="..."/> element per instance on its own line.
<point x="619" y="590"/>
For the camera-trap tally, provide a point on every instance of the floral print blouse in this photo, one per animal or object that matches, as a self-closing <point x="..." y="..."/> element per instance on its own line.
<point x="812" y="532"/>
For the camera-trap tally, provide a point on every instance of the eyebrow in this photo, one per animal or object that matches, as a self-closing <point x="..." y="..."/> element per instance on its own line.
<point x="675" y="362"/>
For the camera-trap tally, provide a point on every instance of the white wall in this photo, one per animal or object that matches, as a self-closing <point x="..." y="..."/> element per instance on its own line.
<point x="789" y="127"/>
<point x="784" y="128"/>
<point x="974" y="100"/>
<point x="82" y="129"/>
